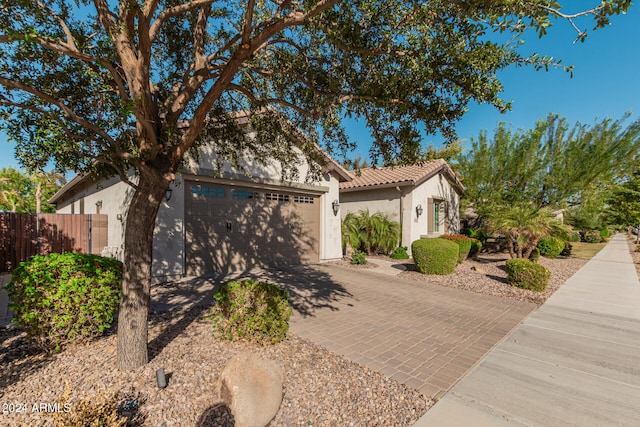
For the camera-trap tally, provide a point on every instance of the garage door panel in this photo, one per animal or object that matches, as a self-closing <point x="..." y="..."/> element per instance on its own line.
<point x="231" y="229"/>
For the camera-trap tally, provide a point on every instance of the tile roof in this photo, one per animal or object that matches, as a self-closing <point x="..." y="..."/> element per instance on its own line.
<point x="400" y="175"/>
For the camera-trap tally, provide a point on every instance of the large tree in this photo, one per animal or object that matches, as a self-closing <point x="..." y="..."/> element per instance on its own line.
<point x="110" y="87"/>
<point x="552" y="165"/>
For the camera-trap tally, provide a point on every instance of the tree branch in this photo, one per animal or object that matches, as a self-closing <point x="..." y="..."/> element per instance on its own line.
<point x="175" y="11"/>
<point x="65" y="109"/>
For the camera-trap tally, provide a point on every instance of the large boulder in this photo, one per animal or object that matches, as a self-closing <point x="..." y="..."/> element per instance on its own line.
<point x="252" y="388"/>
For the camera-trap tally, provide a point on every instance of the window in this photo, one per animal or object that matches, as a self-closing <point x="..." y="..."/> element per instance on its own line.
<point x="436" y="217"/>
<point x="203" y="190"/>
<point x="244" y="194"/>
<point x="277" y="197"/>
<point x="303" y="199"/>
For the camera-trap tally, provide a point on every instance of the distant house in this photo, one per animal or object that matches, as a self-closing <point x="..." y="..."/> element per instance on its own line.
<point x="225" y="220"/>
<point x="424" y="199"/>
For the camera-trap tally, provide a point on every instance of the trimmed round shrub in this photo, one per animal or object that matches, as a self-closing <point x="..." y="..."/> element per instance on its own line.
<point x="535" y="255"/>
<point x="463" y="242"/>
<point x="550" y="246"/>
<point x="592" y="236"/>
<point x="604" y="234"/>
<point x="60" y="299"/>
<point x="476" y="247"/>
<point x="358" y="257"/>
<point x="525" y="274"/>
<point x="400" y="253"/>
<point x="250" y="310"/>
<point x="435" y="256"/>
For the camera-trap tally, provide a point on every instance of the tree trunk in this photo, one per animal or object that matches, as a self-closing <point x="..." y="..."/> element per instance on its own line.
<point x="38" y="197"/>
<point x="138" y="255"/>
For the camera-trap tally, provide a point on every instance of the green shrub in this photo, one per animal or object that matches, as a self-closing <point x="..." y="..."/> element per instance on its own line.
<point x="463" y="242"/>
<point x="372" y="234"/>
<point x="525" y="274"/>
<point x="435" y="256"/>
<point x="568" y="247"/>
<point x="64" y="298"/>
<point x="251" y="310"/>
<point x="535" y="255"/>
<point x="574" y="237"/>
<point x="400" y="253"/>
<point x="475" y="234"/>
<point x="592" y="236"/>
<point x="604" y="234"/>
<point x="476" y="247"/>
<point x="358" y="258"/>
<point x="550" y="246"/>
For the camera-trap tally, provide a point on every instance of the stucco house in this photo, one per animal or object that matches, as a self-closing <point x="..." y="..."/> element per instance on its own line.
<point x="216" y="220"/>
<point x="423" y="198"/>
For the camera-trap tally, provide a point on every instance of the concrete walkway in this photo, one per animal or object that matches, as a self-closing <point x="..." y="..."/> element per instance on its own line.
<point x="574" y="362"/>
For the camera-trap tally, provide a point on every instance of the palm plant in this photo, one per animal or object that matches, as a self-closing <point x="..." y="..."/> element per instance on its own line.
<point x="371" y="233"/>
<point x="523" y="225"/>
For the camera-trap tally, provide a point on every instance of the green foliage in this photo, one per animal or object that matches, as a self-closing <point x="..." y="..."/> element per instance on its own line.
<point x="604" y="234"/>
<point x="592" y="236"/>
<point x="19" y="191"/>
<point x="464" y="245"/>
<point x="400" y="253"/>
<point x="65" y="298"/>
<point x="551" y="246"/>
<point x="550" y="165"/>
<point x="475" y="233"/>
<point x="435" y="256"/>
<point x="535" y="255"/>
<point x="566" y="251"/>
<point x="525" y="274"/>
<point x="371" y="233"/>
<point x="573" y="237"/>
<point x="358" y="257"/>
<point x="251" y="310"/>
<point x="523" y="225"/>
<point x="624" y="203"/>
<point x="476" y="247"/>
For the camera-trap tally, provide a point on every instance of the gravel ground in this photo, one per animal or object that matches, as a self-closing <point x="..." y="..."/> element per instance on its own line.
<point x="486" y="275"/>
<point x="635" y="255"/>
<point x="321" y="388"/>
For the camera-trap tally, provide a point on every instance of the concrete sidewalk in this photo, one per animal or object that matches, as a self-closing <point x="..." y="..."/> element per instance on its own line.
<point x="573" y="362"/>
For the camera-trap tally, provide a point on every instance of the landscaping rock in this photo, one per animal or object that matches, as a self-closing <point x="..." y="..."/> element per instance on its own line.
<point x="252" y="388"/>
<point x="479" y="269"/>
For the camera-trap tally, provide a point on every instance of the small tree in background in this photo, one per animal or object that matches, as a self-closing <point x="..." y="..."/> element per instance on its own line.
<point x="523" y="225"/>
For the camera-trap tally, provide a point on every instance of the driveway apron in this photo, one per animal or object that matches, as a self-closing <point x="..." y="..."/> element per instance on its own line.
<point x="422" y="335"/>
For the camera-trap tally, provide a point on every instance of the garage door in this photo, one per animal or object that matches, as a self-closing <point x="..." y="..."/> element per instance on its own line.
<point x="236" y="228"/>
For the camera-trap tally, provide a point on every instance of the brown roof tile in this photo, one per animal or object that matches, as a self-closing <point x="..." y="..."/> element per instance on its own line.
<point x="400" y="175"/>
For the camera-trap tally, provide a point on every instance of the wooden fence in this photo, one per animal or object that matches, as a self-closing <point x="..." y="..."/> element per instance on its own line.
<point x="24" y="235"/>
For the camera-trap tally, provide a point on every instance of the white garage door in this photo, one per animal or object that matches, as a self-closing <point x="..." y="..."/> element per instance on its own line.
<point x="236" y="228"/>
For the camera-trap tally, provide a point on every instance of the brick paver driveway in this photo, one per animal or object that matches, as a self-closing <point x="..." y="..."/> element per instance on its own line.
<point x="422" y="335"/>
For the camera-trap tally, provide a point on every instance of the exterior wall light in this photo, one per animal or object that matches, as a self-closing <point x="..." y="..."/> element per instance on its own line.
<point x="167" y="194"/>
<point x="419" y="210"/>
<point x="336" y="206"/>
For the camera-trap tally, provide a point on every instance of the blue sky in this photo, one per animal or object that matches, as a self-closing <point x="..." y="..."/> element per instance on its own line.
<point x="605" y="83"/>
